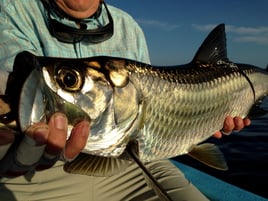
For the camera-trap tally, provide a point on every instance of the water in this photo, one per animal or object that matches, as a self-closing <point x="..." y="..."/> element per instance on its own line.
<point x="246" y="154"/>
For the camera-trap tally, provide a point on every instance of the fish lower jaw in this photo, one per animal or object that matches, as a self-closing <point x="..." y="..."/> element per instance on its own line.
<point x="113" y="152"/>
<point x="109" y="142"/>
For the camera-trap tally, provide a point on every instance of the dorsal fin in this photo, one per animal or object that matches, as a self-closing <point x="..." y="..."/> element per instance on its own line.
<point x="213" y="48"/>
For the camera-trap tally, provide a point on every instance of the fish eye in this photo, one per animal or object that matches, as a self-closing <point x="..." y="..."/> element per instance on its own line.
<point x="69" y="79"/>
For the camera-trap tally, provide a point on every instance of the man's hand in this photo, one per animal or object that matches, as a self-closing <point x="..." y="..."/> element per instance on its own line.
<point x="42" y="145"/>
<point x="232" y="124"/>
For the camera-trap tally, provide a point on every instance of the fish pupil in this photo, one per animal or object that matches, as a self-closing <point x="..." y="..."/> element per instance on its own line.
<point x="69" y="80"/>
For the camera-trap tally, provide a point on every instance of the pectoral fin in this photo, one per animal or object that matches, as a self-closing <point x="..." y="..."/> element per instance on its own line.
<point x="96" y="166"/>
<point x="210" y="155"/>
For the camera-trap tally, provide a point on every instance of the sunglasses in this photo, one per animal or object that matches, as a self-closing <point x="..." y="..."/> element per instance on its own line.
<point x="67" y="34"/>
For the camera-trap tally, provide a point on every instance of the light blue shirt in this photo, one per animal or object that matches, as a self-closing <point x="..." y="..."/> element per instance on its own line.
<point x="23" y="27"/>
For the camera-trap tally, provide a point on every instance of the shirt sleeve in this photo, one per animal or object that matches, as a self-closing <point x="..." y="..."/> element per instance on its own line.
<point x="16" y="34"/>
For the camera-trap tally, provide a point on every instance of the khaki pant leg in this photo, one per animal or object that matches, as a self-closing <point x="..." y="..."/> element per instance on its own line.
<point x="130" y="185"/>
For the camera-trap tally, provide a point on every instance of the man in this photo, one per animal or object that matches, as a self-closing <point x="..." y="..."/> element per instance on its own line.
<point x="43" y="28"/>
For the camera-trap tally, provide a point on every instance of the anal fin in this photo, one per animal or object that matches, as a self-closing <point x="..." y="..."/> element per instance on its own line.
<point x="210" y="155"/>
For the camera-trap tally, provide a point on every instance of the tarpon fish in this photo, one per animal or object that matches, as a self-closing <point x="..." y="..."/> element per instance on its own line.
<point x="153" y="112"/>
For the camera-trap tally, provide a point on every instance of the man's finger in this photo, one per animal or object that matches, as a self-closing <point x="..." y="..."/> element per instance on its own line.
<point x="228" y="126"/>
<point x="218" y="134"/>
<point x="247" y="122"/>
<point x="56" y="141"/>
<point x="239" y="123"/>
<point x="77" y="140"/>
